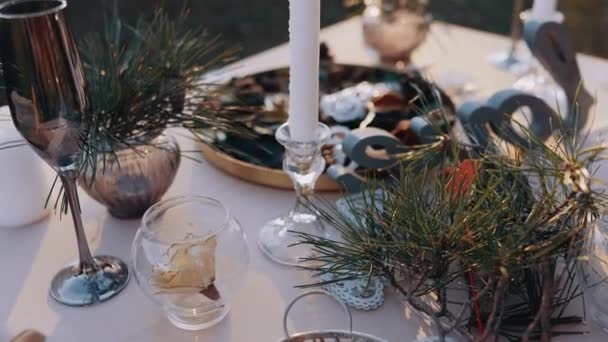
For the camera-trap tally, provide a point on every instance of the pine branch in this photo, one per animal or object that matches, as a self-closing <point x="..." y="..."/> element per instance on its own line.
<point x="516" y="214"/>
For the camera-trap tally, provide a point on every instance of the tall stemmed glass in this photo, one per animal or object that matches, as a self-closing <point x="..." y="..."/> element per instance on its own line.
<point x="45" y="86"/>
<point x="511" y="60"/>
<point x="537" y="81"/>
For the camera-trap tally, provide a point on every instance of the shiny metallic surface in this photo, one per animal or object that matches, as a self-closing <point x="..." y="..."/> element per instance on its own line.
<point x="130" y="180"/>
<point x="72" y="287"/>
<point x="45" y="85"/>
<point x="325" y="335"/>
<point x="44" y="78"/>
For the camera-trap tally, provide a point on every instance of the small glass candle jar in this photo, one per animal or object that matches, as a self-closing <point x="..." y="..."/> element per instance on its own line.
<point x="190" y="256"/>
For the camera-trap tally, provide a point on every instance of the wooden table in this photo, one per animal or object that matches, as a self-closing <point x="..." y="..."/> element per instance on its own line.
<point x="31" y="255"/>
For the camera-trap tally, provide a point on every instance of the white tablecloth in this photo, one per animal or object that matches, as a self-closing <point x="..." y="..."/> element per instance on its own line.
<point x="31" y="255"/>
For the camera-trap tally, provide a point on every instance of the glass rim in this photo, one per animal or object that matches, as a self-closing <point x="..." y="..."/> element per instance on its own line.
<point x="59" y="5"/>
<point x="283" y="135"/>
<point x="177" y="201"/>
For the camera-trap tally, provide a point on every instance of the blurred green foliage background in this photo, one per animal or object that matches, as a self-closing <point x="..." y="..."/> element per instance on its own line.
<point x="257" y="25"/>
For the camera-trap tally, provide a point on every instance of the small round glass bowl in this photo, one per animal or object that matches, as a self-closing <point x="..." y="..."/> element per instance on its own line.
<point x="190" y="256"/>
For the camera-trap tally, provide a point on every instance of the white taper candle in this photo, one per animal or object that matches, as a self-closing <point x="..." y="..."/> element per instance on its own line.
<point x="544" y="10"/>
<point x="304" y="30"/>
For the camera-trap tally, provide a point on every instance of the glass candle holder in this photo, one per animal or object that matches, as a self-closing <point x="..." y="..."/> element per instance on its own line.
<point x="304" y="164"/>
<point x="190" y="256"/>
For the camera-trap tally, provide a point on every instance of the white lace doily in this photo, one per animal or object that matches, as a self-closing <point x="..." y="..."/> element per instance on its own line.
<point x="358" y="293"/>
<point x="361" y="294"/>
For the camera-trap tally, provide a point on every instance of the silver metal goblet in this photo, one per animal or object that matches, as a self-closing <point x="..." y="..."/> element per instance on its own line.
<point x="45" y="85"/>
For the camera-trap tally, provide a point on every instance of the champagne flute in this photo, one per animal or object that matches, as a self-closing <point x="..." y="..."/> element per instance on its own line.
<point x="45" y="85"/>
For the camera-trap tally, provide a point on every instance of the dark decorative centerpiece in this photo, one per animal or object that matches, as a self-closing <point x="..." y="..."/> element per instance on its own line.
<point x="351" y="97"/>
<point x="483" y="231"/>
<point x="473" y="237"/>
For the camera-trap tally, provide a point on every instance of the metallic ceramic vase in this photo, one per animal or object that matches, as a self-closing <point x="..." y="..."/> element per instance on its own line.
<point x="395" y="28"/>
<point x="130" y="179"/>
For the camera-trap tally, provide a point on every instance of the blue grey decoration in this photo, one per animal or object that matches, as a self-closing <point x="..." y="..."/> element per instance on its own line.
<point x="551" y="43"/>
<point x="475" y="118"/>
<point x="373" y="148"/>
<point x="370" y="148"/>
<point x="347" y="178"/>
<point x="497" y="114"/>
<point x="425" y="130"/>
<point x="360" y="145"/>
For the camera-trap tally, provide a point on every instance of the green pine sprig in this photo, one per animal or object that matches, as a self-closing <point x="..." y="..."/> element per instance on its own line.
<point x="521" y="217"/>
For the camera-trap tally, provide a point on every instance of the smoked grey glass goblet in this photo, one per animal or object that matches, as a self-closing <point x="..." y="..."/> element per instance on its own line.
<point x="45" y="85"/>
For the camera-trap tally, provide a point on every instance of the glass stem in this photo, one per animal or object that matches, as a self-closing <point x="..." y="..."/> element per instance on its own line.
<point x="516" y="25"/>
<point x="297" y="208"/>
<point x="302" y="194"/>
<point x="87" y="263"/>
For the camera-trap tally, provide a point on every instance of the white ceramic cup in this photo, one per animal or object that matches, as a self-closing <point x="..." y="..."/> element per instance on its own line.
<point x="24" y="180"/>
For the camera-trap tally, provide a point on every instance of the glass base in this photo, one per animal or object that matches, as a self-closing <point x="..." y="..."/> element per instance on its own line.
<point x="194" y="322"/>
<point x="507" y="61"/>
<point x="276" y="238"/>
<point x="72" y="287"/>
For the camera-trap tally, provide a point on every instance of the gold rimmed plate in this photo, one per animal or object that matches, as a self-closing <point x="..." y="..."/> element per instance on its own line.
<point x="257" y="174"/>
<point x="259" y="160"/>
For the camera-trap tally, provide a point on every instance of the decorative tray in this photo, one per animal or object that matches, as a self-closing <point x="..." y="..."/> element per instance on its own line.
<point x="351" y="97"/>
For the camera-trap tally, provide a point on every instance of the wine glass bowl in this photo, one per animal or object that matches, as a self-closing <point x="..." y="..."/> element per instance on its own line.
<point x="44" y="78"/>
<point x="394" y="29"/>
<point x="190" y="257"/>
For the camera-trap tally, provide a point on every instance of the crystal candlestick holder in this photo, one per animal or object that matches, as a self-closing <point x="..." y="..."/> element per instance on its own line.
<point x="304" y="164"/>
